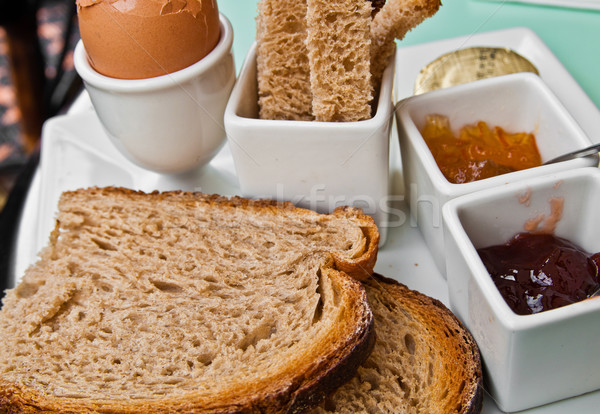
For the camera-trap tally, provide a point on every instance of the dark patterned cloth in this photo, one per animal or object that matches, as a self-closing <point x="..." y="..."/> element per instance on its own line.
<point x="51" y="31"/>
<point x="9" y="113"/>
<point x="11" y="151"/>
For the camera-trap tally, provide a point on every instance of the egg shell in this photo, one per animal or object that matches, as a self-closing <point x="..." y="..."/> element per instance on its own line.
<point x="135" y="39"/>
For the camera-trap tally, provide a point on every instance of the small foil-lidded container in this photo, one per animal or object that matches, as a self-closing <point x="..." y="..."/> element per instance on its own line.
<point x="470" y="64"/>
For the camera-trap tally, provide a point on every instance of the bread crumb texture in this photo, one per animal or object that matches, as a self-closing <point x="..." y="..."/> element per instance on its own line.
<point x="423" y="361"/>
<point x="324" y="60"/>
<point x="282" y="61"/>
<point x="192" y="300"/>
<point x="338" y="44"/>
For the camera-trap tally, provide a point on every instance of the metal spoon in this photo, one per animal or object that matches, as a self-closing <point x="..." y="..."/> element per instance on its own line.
<point x="585" y="152"/>
<point x="594" y="293"/>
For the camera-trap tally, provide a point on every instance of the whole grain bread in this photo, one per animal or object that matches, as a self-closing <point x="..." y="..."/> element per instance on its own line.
<point x="184" y="302"/>
<point x="393" y="21"/>
<point x="338" y="44"/>
<point x="282" y="61"/>
<point x="324" y="59"/>
<point x="424" y="360"/>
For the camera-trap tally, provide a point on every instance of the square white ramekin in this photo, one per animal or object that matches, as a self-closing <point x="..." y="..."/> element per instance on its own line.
<point x="317" y="165"/>
<point x="536" y="359"/>
<point x="518" y="103"/>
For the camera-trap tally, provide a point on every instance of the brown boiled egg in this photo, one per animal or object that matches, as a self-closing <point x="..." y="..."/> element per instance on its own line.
<point x="135" y="39"/>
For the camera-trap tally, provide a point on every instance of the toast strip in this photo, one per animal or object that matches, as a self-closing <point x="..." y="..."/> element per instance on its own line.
<point x="282" y="61"/>
<point x="338" y="44"/>
<point x="393" y="21"/>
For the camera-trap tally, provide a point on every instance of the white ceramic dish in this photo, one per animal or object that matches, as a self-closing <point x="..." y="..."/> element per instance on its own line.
<point x="520" y="102"/>
<point x="171" y="123"/>
<point x="317" y="165"/>
<point x="404" y="257"/>
<point x="535" y="359"/>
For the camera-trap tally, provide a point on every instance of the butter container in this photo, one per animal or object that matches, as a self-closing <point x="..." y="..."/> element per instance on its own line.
<point x="468" y="65"/>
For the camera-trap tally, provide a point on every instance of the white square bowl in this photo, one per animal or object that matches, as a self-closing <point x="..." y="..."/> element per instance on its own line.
<point x="518" y="103"/>
<point x="316" y="165"/>
<point x="529" y="360"/>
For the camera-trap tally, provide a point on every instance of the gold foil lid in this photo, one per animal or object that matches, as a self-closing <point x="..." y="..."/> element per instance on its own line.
<point x="467" y="65"/>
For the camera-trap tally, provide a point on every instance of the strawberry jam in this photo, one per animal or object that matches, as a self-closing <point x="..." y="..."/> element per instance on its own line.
<point x="538" y="272"/>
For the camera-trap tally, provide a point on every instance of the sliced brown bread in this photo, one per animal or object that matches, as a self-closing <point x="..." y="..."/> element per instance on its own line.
<point x="423" y="361"/>
<point x="282" y="61"/>
<point x="393" y="21"/>
<point x="184" y="302"/>
<point x="338" y="44"/>
<point x="324" y="60"/>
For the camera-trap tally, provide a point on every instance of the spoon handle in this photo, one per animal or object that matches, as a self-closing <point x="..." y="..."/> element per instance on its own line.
<point x="585" y="152"/>
<point x="595" y="293"/>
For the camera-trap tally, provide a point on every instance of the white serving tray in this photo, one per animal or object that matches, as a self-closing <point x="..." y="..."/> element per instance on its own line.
<point x="578" y="4"/>
<point x="77" y="153"/>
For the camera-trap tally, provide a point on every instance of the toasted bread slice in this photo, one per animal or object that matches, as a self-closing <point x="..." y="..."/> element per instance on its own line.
<point x="184" y="302"/>
<point x="424" y="360"/>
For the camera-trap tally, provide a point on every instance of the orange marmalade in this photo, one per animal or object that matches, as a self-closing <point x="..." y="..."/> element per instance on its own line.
<point x="479" y="151"/>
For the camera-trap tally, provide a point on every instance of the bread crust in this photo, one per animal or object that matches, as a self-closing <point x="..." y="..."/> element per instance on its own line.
<point x="304" y="381"/>
<point x="471" y="401"/>
<point x="393" y="21"/>
<point x="436" y="370"/>
<point x="341" y="368"/>
<point x="360" y="267"/>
